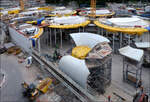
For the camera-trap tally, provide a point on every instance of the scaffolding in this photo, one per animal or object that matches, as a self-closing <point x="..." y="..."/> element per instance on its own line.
<point x="132" y="70"/>
<point x="100" y="74"/>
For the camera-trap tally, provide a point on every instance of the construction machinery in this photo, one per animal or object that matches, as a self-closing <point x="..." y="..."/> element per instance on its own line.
<point x="140" y="96"/>
<point x="32" y="91"/>
<point x="29" y="91"/>
<point x="22" y="5"/>
<point x="93" y="8"/>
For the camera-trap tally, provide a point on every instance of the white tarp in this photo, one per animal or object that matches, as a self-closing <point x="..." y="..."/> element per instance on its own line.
<point x="132" y="53"/>
<point x="23" y="18"/>
<point x="33" y="8"/>
<point x="75" y="69"/>
<point x="28" y="12"/>
<point x="142" y="44"/>
<point x="100" y="12"/>
<point x="88" y="39"/>
<point x="69" y="20"/>
<point x="130" y="8"/>
<point x="60" y="8"/>
<point x="67" y="11"/>
<point x="128" y="22"/>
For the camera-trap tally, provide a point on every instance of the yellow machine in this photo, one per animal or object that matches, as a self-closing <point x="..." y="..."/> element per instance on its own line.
<point x="44" y="84"/>
<point x="32" y="92"/>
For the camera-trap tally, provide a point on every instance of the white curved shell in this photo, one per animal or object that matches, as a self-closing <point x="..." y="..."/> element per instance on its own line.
<point x="132" y="53"/>
<point x="75" y="68"/>
<point x="88" y="39"/>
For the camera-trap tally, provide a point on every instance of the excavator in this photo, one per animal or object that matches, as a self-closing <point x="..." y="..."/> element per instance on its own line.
<point x="29" y="91"/>
<point x="32" y="91"/>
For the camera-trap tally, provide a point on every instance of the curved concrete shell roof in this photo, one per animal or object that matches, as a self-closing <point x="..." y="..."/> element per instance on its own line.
<point x="88" y="39"/>
<point x="75" y="68"/>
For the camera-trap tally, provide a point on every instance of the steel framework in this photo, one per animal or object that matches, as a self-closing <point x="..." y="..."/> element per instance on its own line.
<point x="100" y="74"/>
<point x="132" y="70"/>
<point x="93" y="8"/>
<point x="22" y="4"/>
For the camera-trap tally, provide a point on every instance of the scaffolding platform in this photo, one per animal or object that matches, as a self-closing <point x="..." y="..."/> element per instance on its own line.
<point x="132" y="64"/>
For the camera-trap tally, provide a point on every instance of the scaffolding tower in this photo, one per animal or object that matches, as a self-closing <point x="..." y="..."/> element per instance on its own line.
<point x="100" y="74"/>
<point x="132" y="70"/>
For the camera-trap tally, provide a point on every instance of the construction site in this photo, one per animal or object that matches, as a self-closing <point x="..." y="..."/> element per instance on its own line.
<point x="55" y="52"/>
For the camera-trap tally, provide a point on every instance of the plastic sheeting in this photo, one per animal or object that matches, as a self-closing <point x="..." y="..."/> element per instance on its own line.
<point x="132" y="53"/>
<point x="40" y="20"/>
<point x="67" y="11"/>
<point x="75" y="68"/>
<point x="100" y="12"/>
<point x="87" y="39"/>
<point x="69" y="20"/>
<point x="128" y="22"/>
<point x="142" y="44"/>
<point x="28" y="12"/>
<point x="60" y="8"/>
<point x="33" y="8"/>
<point x="148" y="28"/>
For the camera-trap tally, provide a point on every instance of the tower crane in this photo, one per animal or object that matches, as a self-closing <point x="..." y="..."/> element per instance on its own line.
<point x="93" y="8"/>
<point x="22" y="5"/>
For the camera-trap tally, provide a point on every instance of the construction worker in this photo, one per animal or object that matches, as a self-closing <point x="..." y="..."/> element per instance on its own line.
<point x="29" y="62"/>
<point x="139" y="91"/>
<point x="109" y="99"/>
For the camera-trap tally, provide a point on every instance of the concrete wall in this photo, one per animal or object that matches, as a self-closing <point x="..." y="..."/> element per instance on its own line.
<point x="20" y="40"/>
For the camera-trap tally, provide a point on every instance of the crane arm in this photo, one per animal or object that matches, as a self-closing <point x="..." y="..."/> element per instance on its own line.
<point x="22" y="4"/>
<point x="93" y="8"/>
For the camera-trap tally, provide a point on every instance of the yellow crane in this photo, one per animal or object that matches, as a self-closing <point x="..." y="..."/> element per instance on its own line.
<point x="93" y="8"/>
<point x="22" y="5"/>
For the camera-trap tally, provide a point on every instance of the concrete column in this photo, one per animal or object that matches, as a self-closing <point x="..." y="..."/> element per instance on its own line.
<point x="61" y="38"/>
<point x="55" y="36"/>
<point x="39" y="46"/>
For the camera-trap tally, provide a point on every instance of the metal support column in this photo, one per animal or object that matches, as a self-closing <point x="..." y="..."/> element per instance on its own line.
<point x="61" y="38"/>
<point x="79" y="29"/>
<point x="129" y="40"/>
<point x="39" y="46"/>
<point x="55" y="36"/>
<point x="102" y="31"/>
<point x="121" y="39"/>
<point x="113" y="42"/>
<point x="50" y="36"/>
<point x="98" y="30"/>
